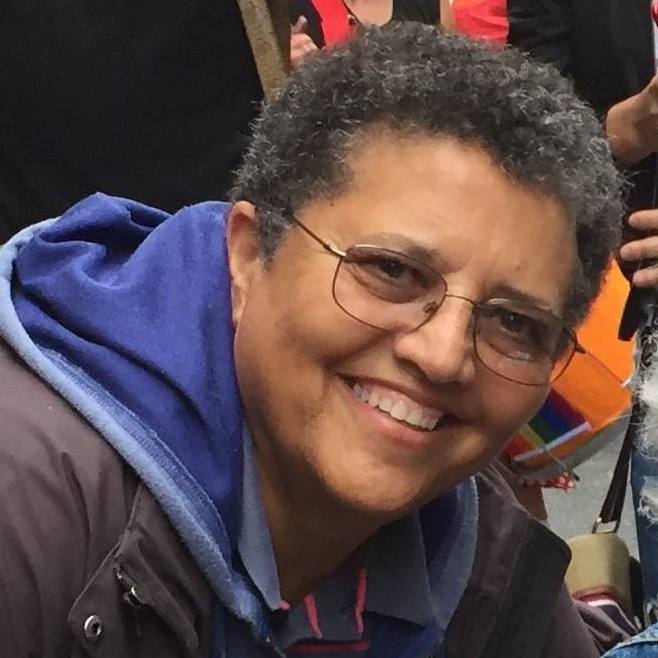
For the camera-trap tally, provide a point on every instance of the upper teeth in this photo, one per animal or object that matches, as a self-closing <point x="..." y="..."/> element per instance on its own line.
<point x="401" y="409"/>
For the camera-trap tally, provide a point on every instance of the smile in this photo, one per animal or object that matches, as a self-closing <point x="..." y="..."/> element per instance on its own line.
<point x="397" y="405"/>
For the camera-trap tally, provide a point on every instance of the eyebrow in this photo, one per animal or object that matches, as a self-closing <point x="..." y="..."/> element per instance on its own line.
<point x="436" y="260"/>
<point x="409" y="247"/>
<point x="511" y="292"/>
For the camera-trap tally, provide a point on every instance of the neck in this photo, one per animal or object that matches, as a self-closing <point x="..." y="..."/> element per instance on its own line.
<point x="375" y="12"/>
<point x="312" y="535"/>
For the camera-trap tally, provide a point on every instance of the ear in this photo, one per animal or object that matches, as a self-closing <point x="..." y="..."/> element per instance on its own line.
<point x="244" y="254"/>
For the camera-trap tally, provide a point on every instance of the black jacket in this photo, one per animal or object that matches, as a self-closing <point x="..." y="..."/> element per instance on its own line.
<point x="605" y="46"/>
<point x="150" y="100"/>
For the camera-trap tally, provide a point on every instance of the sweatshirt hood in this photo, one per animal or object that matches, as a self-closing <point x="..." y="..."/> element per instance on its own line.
<point x="128" y="316"/>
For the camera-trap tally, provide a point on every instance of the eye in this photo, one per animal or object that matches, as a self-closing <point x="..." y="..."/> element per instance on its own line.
<point x="387" y="275"/>
<point x="516" y="323"/>
<point x="393" y="272"/>
<point x="394" y="268"/>
<point x="514" y="333"/>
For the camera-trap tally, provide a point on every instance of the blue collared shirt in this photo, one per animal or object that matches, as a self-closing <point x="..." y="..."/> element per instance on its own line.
<point x="387" y="576"/>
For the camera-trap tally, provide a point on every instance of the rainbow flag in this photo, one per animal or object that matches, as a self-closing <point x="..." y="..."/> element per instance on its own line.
<point x="556" y="423"/>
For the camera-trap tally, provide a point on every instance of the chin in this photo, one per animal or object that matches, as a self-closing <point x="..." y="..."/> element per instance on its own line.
<point x="388" y="478"/>
<point x="381" y="491"/>
<point x="381" y="506"/>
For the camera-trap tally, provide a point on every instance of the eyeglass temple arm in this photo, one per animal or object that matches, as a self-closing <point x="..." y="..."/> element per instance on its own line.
<point x="331" y="249"/>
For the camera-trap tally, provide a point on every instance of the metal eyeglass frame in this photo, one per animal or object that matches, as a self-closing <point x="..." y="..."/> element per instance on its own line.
<point x="432" y="307"/>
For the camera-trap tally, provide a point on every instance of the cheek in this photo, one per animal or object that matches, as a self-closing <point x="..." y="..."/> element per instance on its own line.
<point x="290" y="341"/>
<point x="503" y="410"/>
<point x="509" y="407"/>
<point x="304" y="323"/>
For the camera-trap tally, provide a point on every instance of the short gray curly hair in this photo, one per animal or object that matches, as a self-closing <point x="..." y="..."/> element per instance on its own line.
<point x="415" y="80"/>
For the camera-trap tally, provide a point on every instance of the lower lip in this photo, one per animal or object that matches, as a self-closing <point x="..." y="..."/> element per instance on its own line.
<point x="388" y="428"/>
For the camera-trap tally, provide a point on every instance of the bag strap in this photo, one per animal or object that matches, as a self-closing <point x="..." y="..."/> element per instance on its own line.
<point x="268" y="30"/>
<point x="614" y="500"/>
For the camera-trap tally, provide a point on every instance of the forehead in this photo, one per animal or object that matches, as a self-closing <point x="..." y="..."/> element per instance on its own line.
<point x="481" y="228"/>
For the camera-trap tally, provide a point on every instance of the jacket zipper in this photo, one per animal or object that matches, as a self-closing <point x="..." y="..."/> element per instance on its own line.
<point x="136" y="601"/>
<point x="131" y="598"/>
<point x="269" y="643"/>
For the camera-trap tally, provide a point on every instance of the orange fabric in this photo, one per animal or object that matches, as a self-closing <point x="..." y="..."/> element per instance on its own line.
<point x="593" y="382"/>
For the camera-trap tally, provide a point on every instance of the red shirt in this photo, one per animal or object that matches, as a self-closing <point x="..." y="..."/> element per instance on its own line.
<point x="338" y="24"/>
<point x="482" y="19"/>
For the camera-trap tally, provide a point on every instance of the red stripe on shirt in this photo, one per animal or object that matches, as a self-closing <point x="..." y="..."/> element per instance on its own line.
<point x="312" y="614"/>
<point x="361" y="592"/>
<point x="328" y="648"/>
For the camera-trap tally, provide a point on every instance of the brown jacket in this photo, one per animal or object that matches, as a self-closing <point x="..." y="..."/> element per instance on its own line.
<point x="90" y="566"/>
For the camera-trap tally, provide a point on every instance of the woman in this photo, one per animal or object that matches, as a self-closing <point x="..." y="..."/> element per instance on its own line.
<point x="252" y="429"/>
<point x="321" y="23"/>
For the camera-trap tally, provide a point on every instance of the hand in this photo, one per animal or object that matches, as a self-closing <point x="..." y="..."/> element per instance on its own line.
<point x="632" y="125"/>
<point x="645" y="248"/>
<point x="301" y="44"/>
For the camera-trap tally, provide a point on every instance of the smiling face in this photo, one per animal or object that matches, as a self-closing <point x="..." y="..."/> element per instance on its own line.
<point x="382" y="422"/>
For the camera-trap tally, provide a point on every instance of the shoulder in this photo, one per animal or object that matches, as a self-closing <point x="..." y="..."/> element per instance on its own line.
<point x="526" y="587"/>
<point x="508" y="594"/>
<point x="65" y="497"/>
<point x="47" y="445"/>
<point x="507" y="529"/>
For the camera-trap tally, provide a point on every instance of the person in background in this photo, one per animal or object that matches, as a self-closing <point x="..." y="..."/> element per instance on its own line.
<point x="264" y="443"/>
<point x="148" y="100"/>
<point x="321" y="23"/>
<point x="607" y="48"/>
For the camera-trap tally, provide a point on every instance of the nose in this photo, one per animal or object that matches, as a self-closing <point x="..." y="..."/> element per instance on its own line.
<point x="442" y="348"/>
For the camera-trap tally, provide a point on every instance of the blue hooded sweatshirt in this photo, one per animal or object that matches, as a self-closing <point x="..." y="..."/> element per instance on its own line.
<point x="126" y="312"/>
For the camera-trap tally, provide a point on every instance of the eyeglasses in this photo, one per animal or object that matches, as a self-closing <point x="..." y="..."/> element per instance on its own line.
<point x="390" y="291"/>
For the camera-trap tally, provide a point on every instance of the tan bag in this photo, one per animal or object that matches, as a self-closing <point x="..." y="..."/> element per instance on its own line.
<point x="601" y="563"/>
<point x="268" y="30"/>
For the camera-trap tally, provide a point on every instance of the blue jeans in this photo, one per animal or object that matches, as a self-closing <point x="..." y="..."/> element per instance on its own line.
<point x="644" y="481"/>
<point x="644" y="645"/>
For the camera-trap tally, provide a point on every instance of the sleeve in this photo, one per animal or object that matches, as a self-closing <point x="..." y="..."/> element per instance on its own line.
<point x="62" y="497"/>
<point x="543" y="28"/>
<point x="42" y="550"/>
